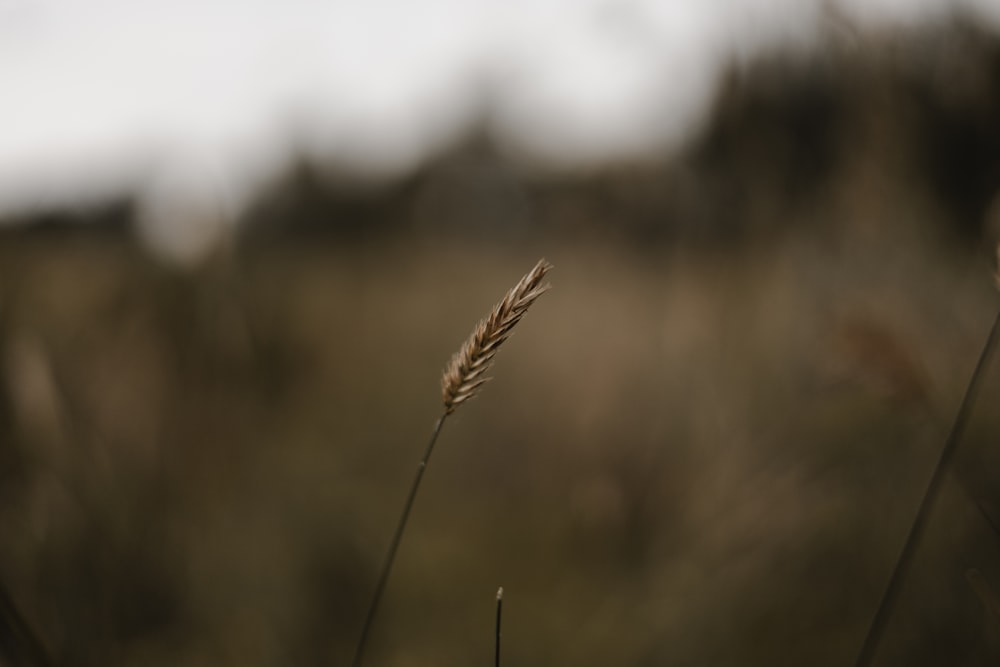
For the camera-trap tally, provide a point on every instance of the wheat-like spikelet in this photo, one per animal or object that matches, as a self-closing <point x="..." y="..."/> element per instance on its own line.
<point x="463" y="377"/>
<point x="466" y="372"/>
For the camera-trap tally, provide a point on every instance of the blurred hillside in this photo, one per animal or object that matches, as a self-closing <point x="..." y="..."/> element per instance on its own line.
<point x="703" y="447"/>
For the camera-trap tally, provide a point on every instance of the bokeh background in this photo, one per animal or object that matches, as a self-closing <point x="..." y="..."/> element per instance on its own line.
<point x="239" y="241"/>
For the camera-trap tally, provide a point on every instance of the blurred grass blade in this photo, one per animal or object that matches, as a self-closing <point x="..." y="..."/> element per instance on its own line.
<point x="905" y="560"/>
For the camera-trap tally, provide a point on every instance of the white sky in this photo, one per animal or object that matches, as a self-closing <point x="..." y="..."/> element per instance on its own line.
<point x="192" y="103"/>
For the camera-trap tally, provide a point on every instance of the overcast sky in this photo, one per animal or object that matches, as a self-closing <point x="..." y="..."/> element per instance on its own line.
<point x="192" y="103"/>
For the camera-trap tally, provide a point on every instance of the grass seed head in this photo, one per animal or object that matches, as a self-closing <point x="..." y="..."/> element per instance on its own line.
<point x="466" y="372"/>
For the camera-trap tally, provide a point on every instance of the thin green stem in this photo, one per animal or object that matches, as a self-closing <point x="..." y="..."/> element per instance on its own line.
<point x="905" y="559"/>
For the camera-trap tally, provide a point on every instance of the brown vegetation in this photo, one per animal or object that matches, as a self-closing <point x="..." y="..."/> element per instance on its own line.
<point x="466" y="372"/>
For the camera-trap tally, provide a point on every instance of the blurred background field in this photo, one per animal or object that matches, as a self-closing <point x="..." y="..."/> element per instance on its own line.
<point x="703" y="447"/>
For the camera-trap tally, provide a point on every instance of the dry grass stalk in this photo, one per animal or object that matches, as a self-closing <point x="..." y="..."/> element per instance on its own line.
<point x="463" y="377"/>
<point x="466" y="372"/>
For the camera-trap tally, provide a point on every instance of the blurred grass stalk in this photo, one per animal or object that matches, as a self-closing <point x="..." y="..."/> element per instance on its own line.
<point x="462" y="379"/>
<point x="903" y="563"/>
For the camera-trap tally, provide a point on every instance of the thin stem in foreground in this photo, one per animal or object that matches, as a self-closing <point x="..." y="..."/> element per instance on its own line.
<point x="461" y="380"/>
<point x="496" y="661"/>
<point x="905" y="559"/>
<point x="394" y="545"/>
